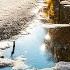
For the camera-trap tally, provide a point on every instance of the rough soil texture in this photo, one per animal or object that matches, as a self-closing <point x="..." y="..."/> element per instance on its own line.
<point x="14" y="14"/>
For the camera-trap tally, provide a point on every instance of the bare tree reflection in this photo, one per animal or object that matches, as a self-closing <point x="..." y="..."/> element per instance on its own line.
<point x="13" y="50"/>
<point x="59" y="43"/>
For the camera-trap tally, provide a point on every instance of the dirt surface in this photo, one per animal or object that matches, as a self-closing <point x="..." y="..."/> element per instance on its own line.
<point x="14" y="14"/>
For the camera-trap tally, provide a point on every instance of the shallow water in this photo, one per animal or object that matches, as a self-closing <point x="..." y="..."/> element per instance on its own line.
<point x="6" y="68"/>
<point x="30" y="46"/>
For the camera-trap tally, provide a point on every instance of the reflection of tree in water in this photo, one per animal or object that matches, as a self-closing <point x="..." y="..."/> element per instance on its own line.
<point x="64" y="14"/>
<point x="58" y="13"/>
<point x="50" y="55"/>
<point x="48" y="50"/>
<point x="13" y="50"/>
<point x="60" y="43"/>
<point x="52" y="10"/>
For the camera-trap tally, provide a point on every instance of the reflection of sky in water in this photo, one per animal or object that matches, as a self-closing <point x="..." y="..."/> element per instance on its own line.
<point x="6" y="68"/>
<point x="30" y="47"/>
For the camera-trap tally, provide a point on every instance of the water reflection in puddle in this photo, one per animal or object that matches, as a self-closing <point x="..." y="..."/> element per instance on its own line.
<point x="30" y="46"/>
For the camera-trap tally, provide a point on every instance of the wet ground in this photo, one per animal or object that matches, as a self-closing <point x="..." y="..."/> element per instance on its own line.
<point x="32" y="47"/>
